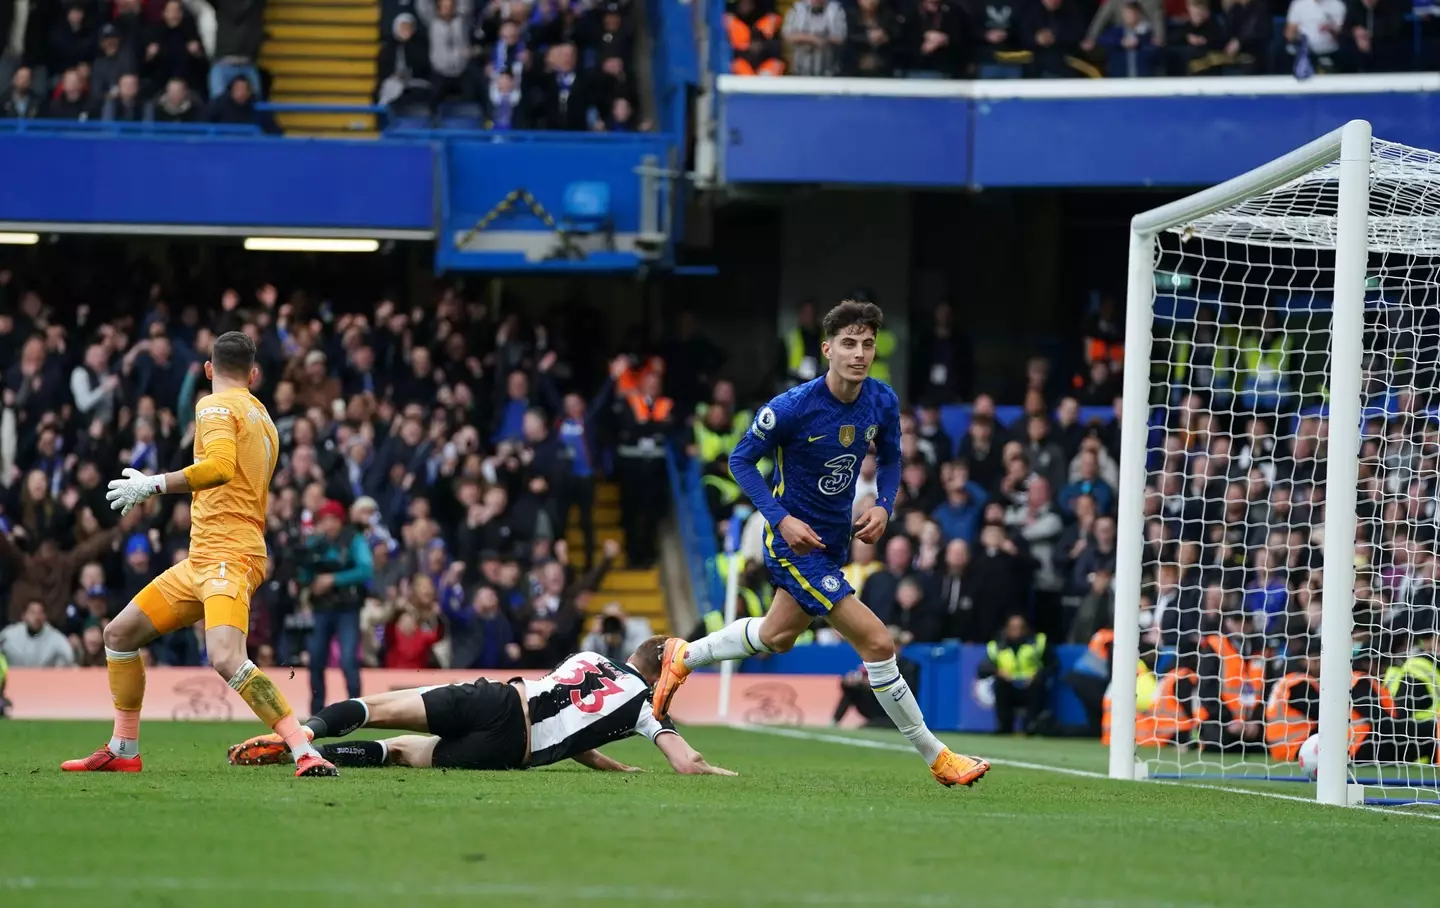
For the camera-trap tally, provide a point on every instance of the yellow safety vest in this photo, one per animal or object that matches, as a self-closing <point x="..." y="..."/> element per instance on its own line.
<point x="1261" y="368"/>
<point x="1021" y="663"/>
<point x="803" y="360"/>
<point x="1145" y="686"/>
<point x="1425" y="673"/>
<point x="729" y="489"/>
<point x="856" y="574"/>
<point x="884" y="349"/>
<point x="710" y="444"/>
<point x="715" y="619"/>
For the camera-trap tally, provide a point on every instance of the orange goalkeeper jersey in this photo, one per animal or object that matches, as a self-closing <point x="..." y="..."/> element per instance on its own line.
<point x="228" y="521"/>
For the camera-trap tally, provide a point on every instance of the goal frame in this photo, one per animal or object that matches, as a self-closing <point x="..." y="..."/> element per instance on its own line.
<point x="1350" y="145"/>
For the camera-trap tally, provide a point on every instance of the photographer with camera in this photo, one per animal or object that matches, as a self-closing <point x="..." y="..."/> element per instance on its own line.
<point x="334" y="568"/>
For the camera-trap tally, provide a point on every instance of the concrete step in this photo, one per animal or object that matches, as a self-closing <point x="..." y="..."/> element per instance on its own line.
<point x="294" y="31"/>
<point x="328" y="50"/>
<point x="361" y="87"/>
<point x="647" y="605"/>
<point x="307" y="66"/>
<point x="323" y="14"/>
<point x="621" y="581"/>
<point x="302" y="97"/>
<point x="274" y="5"/>
<point x="338" y="122"/>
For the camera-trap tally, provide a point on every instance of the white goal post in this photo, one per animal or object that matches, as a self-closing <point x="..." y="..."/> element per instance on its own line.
<point x="1266" y="402"/>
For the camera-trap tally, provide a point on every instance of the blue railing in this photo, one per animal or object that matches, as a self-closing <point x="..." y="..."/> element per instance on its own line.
<point x="697" y="533"/>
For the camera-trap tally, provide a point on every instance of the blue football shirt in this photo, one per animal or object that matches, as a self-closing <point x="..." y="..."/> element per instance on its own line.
<point x="818" y="442"/>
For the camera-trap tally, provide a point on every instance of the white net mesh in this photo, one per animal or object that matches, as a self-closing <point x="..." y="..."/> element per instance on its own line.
<point x="1235" y="504"/>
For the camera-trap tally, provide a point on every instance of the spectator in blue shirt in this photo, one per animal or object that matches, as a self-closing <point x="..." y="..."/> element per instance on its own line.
<point x="959" y="516"/>
<point x="1090" y="484"/>
<point x="1130" y="45"/>
<point x="1267" y="594"/>
<point x="481" y="635"/>
<point x="510" y="415"/>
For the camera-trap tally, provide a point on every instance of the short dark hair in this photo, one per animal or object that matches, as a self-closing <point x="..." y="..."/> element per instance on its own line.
<point x="851" y="314"/>
<point x="646" y="657"/>
<point x="233" y="353"/>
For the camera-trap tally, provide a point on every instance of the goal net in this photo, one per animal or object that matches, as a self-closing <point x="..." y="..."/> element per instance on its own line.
<point x="1282" y="569"/>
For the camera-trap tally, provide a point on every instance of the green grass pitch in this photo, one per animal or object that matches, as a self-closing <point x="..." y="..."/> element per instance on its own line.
<point x="808" y="822"/>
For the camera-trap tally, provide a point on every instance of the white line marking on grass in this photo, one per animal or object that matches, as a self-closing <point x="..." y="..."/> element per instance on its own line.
<point x="375" y="890"/>
<point x="803" y="735"/>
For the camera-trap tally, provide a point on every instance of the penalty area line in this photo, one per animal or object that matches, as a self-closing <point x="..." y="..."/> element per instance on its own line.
<point x="802" y="735"/>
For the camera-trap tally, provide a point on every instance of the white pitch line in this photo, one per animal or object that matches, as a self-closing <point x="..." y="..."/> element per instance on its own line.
<point x="374" y="889"/>
<point x="803" y="735"/>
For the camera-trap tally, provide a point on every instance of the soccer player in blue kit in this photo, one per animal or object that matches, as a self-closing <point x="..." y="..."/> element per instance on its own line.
<point x="818" y="433"/>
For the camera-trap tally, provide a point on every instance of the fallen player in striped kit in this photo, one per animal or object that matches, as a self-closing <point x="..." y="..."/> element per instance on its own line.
<point x="584" y="704"/>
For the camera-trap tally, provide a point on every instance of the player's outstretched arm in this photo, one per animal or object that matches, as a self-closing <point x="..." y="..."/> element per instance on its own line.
<point x="598" y="761"/>
<point x="685" y="759"/>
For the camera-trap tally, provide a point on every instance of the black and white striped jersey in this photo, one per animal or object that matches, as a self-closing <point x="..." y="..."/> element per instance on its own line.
<point x="585" y="703"/>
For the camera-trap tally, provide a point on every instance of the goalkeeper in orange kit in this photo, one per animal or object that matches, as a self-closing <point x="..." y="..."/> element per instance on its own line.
<point x="235" y="451"/>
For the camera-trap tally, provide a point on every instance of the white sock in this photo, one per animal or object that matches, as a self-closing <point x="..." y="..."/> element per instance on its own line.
<point x="124" y="747"/>
<point x="899" y="704"/>
<point x="734" y="641"/>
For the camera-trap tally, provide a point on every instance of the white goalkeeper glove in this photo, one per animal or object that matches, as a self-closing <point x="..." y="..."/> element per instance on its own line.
<point x="135" y="488"/>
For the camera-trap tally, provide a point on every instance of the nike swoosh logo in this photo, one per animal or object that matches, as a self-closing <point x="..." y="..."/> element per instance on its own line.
<point x="815" y="438"/>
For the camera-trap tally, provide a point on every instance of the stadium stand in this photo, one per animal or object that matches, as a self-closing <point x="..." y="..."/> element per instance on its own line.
<point x="394" y="434"/>
<point x="928" y="39"/>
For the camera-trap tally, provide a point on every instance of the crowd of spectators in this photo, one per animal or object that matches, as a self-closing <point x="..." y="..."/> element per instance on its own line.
<point x="511" y="64"/>
<point x="1005" y="520"/>
<point x="430" y="456"/>
<point x="1006" y="39"/>
<point x="1009" y="532"/>
<point x="177" y="61"/>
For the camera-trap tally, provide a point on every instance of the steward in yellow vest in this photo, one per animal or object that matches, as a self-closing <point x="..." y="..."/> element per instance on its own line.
<point x="1021" y="664"/>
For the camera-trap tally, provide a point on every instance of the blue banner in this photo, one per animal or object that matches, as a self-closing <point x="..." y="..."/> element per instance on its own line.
<point x="848" y="139"/>
<point x="226" y="181"/>
<point x="1057" y="133"/>
<point x="948" y="693"/>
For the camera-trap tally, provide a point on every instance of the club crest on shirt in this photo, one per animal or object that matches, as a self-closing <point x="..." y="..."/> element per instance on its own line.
<point x="830" y="584"/>
<point x="870" y="434"/>
<point x="847" y="435"/>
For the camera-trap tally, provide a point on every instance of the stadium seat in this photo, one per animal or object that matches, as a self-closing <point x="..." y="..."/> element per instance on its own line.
<point x="461" y="115"/>
<point x="409" y="116"/>
<point x="586" y="209"/>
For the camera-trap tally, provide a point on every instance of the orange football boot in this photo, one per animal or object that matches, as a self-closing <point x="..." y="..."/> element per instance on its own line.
<point x="264" y="750"/>
<point x="673" y="672"/>
<point x="951" y="769"/>
<point x="103" y="760"/>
